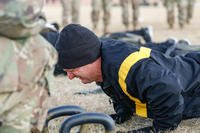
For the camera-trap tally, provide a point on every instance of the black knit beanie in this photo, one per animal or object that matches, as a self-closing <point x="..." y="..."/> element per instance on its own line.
<point x="77" y="46"/>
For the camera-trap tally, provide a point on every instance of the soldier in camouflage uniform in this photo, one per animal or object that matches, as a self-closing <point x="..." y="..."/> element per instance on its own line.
<point x="96" y="8"/>
<point x="182" y="12"/>
<point x="26" y="60"/>
<point x="70" y="6"/>
<point x="125" y="15"/>
<point x="190" y="10"/>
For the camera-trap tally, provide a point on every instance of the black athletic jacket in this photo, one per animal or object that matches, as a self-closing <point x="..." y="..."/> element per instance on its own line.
<point x="150" y="84"/>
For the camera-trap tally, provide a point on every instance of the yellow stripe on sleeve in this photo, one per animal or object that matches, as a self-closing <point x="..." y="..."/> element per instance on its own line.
<point x="126" y="65"/>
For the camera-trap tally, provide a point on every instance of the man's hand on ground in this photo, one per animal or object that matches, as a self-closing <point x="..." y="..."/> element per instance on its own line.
<point x="120" y="118"/>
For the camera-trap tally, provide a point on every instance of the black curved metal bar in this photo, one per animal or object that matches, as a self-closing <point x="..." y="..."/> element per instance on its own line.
<point x="60" y="111"/>
<point x="88" y="118"/>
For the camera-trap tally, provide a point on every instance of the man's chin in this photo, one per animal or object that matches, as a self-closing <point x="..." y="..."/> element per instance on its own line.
<point x="86" y="82"/>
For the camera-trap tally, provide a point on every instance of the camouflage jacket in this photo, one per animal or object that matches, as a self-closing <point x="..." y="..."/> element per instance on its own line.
<point x="24" y="67"/>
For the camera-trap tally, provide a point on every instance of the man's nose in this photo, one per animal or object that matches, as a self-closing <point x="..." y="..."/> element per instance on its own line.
<point x="70" y="75"/>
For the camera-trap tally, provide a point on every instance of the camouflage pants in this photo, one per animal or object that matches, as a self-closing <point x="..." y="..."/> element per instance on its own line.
<point x="190" y="9"/>
<point x="70" y="7"/>
<point x="125" y="14"/>
<point x="7" y="129"/>
<point x="96" y="8"/>
<point x="182" y="12"/>
<point x="23" y="117"/>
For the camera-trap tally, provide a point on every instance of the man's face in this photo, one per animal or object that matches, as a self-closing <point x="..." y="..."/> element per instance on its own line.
<point x="87" y="74"/>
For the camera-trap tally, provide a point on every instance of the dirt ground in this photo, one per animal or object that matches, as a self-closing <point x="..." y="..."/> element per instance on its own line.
<point x="64" y="89"/>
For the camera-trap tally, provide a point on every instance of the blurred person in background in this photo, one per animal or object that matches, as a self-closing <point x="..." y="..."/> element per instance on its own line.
<point x="182" y="12"/>
<point x="97" y="6"/>
<point x="48" y="1"/>
<point x="190" y="10"/>
<point x="70" y="8"/>
<point x="26" y="62"/>
<point x="125" y="12"/>
<point x="51" y="32"/>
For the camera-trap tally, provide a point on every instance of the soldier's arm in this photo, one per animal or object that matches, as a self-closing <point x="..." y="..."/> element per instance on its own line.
<point x="162" y="91"/>
<point x="123" y="113"/>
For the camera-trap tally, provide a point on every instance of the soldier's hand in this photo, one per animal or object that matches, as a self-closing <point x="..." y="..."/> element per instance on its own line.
<point x="120" y="118"/>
